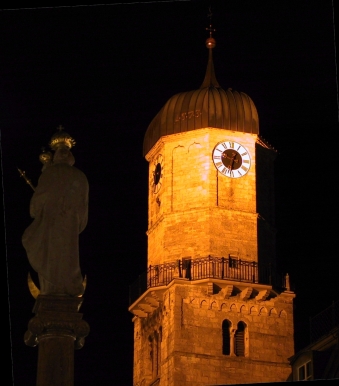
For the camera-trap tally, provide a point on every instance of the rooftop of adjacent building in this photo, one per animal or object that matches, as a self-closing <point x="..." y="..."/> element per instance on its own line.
<point x="323" y="351"/>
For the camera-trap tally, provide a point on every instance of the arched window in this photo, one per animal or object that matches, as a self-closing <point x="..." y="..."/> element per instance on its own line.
<point x="155" y="352"/>
<point x="159" y="350"/>
<point x="226" y="338"/>
<point x="155" y="364"/>
<point x="240" y="340"/>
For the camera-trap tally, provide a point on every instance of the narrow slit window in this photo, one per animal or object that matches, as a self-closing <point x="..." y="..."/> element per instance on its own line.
<point x="226" y="338"/>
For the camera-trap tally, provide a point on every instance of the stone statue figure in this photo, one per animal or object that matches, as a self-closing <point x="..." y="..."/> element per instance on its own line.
<point x="59" y="207"/>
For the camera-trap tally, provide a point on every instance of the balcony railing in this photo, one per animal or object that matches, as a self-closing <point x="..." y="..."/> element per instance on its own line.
<point x="224" y="268"/>
<point x="323" y="323"/>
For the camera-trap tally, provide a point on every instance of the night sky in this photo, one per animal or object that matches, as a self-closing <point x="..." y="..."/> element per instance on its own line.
<point x="103" y="72"/>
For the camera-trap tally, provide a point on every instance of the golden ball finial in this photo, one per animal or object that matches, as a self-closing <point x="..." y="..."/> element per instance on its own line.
<point x="61" y="138"/>
<point x="210" y="42"/>
<point x="45" y="157"/>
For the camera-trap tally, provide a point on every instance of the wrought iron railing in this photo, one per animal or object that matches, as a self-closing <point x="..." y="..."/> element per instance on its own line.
<point x="225" y="268"/>
<point x="324" y="322"/>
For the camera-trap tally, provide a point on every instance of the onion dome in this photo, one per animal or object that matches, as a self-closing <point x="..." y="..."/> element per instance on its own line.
<point x="209" y="106"/>
<point x="61" y="138"/>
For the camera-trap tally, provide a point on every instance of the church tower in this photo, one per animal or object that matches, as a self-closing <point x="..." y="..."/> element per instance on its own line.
<point x="210" y="309"/>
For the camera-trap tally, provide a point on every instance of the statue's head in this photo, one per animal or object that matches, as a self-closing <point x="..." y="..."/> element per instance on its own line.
<point x="63" y="155"/>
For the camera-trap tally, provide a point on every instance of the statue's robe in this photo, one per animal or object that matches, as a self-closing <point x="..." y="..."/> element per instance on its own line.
<point x="59" y="207"/>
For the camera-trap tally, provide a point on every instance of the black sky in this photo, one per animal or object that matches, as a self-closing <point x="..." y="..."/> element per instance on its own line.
<point x="103" y="72"/>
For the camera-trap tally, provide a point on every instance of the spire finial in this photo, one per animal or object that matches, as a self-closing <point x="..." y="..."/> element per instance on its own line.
<point x="210" y="79"/>
<point x="210" y="29"/>
<point x="210" y="42"/>
<point x="210" y="13"/>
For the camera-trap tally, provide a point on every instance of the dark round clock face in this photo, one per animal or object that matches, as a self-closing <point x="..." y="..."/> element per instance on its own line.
<point x="231" y="159"/>
<point x="157" y="174"/>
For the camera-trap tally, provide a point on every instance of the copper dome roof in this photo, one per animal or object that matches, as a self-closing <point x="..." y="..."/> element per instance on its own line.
<point x="209" y="106"/>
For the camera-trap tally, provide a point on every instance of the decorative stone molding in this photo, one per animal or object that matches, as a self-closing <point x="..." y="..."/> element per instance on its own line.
<point x="227" y="291"/>
<point x="246" y="293"/>
<point x="57" y="316"/>
<point x="152" y="302"/>
<point x="262" y="295"/>
<point x="57" y="329"/>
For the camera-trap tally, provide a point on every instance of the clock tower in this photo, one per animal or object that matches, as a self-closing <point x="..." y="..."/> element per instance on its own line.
<point x="210" y="309"/>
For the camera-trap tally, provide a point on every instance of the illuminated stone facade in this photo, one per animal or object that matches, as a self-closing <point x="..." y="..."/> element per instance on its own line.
<point x="187" y="329"/>
<point x="198" y="211"/>
<point x="211" y="312"/>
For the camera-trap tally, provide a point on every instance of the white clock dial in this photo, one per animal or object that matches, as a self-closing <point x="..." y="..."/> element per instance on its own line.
<point x="231" y="159"/>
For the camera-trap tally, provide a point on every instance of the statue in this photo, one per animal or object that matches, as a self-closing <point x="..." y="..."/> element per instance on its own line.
<point x="59" y="207"/>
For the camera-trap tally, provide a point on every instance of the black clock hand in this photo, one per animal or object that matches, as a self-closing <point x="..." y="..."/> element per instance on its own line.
<point x="232" y="160"/>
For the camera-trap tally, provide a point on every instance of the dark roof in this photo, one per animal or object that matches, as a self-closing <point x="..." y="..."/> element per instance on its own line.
<point x="208" y="106"/>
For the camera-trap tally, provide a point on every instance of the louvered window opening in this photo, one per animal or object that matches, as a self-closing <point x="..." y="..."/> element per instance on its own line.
<point x="240" y="340"/>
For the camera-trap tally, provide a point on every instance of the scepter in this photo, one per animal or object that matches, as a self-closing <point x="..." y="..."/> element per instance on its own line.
<point x="45" y="158"/>
<point x="23" y="175"/>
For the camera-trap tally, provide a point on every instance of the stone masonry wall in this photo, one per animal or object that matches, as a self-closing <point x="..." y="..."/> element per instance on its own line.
<point x="198" y="211"/>
<point x="198" y="348"/>
<point x="191" y="320"/>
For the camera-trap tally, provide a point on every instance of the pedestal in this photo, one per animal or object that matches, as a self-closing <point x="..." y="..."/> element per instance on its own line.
<point x="58" y="329"/>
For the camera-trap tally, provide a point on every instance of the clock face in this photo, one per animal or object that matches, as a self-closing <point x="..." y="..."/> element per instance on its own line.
<point x="231" y="159"/>
<point x="157" y="173"/>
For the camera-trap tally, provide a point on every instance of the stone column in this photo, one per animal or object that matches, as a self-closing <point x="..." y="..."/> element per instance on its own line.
<point x="58" y="329"/>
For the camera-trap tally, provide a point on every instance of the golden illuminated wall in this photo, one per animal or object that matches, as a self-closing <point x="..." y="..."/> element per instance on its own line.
<point x="198" y="211"/>
<point x="190" y="321"/>
<point x="195" y="211"/>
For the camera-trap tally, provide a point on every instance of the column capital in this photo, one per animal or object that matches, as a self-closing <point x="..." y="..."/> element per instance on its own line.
<point x="57" y="316"/>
